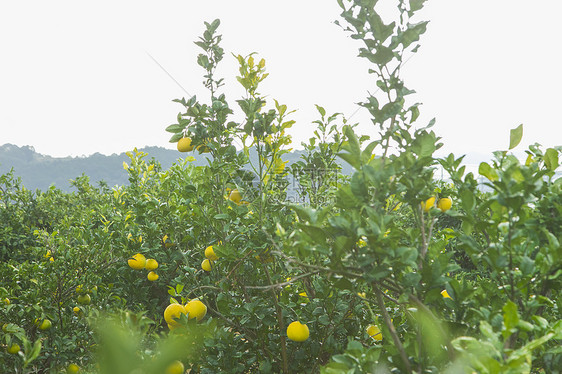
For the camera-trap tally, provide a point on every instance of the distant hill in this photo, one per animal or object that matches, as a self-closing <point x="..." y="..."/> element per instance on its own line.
<point x="39" y="171"/>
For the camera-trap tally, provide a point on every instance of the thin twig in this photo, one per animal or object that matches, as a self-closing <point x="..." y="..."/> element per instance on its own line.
<point x="390" y="325"/>
<point x="283" y="284"/>
<point x="319" y="268"/>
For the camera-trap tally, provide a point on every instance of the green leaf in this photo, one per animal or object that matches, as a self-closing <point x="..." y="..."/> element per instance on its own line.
<point x="315" y="233"/>
<point x="345" y="197"/>
<point x="510" y="319"/>
<point x="424" y="145"/>
<point x="175" y="128"/>
<point x="306" y="214"/>
<point x="488" y="331"/>
<point x="412" y="34"/>
<point x="203" y="61"/>
<point x="416" y="5"/>
<point x="367" y="153"/>
<point x="467" y="199"/>
<point x="527" y="266"/>
<point x="344" y="284"/>
<point x="411" y="279"/>
<point x="353" y="148"/>
<point x="486" y="170"/>
<point x="216" y="23"/>
<point x="383" y="55"/>
<point x="29" y="357"/>
<point x="358" y="186"/>
<point x="176" y="137"/>
<point x="381" y="32"/>
<point x="179" y="288"/>
<point x="551" y="159"/>
<point x="321" y="110"/>
<point x="515" y="136"/>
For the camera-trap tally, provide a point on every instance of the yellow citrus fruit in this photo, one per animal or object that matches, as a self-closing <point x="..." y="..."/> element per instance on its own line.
<point x="173" y="312"/>
<point x="151" y="264"/>
<point x="175" y="367"/>
<point x="45" y="325"/>
<point x="445" y="204"/>
<point x="76" y="310"/>
<point x="196" y="309"/>
<point x="374" y="332"/>
<point x="210" y="253"/>
<point x="184" y="145"/>
<point x="428" y="204"/>
<point x="14" y="349"/>
<point x="445" y="294"/>
<point x="137" y="262"/>
<point x="235" y="196"/>
<point x="52" y="259"/>
<point x="152" y="276"/>
<point x="72" y="369"/>
<point x="84" y="299"/>
<point x="206" y="264"/>
<point x="297" y="331"/>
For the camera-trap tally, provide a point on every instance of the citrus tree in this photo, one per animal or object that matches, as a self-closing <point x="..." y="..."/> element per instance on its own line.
<point x="249" y="264"/>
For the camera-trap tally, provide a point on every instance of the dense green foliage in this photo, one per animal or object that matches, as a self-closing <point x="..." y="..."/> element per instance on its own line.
<point x="455" y="286"/>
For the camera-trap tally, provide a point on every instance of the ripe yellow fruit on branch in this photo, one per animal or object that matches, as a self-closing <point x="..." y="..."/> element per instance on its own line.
<point x="206" y="265"/>
<point x="151" y="264"/>
<point x="152" y="276"/>
<point x="184" y="145"/>
<point x="445" y="204"/>
<point x="196" y="309"/>
<point x="173" y="312"/>
<point x="235" y="196"/>
<point x="428" y="204"/>
<point x="374" y="332"/>
<point x="210" y="253"/>
<point x="137" y="262"/>
<point x="175" y="367"/>
<point x="297" y="331"/>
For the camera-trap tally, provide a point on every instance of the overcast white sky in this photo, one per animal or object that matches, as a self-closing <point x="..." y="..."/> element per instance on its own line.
<point x="75" y="77"/>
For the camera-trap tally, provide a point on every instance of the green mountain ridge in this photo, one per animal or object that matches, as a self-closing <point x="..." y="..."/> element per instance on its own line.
<point x="39" y="171"/>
